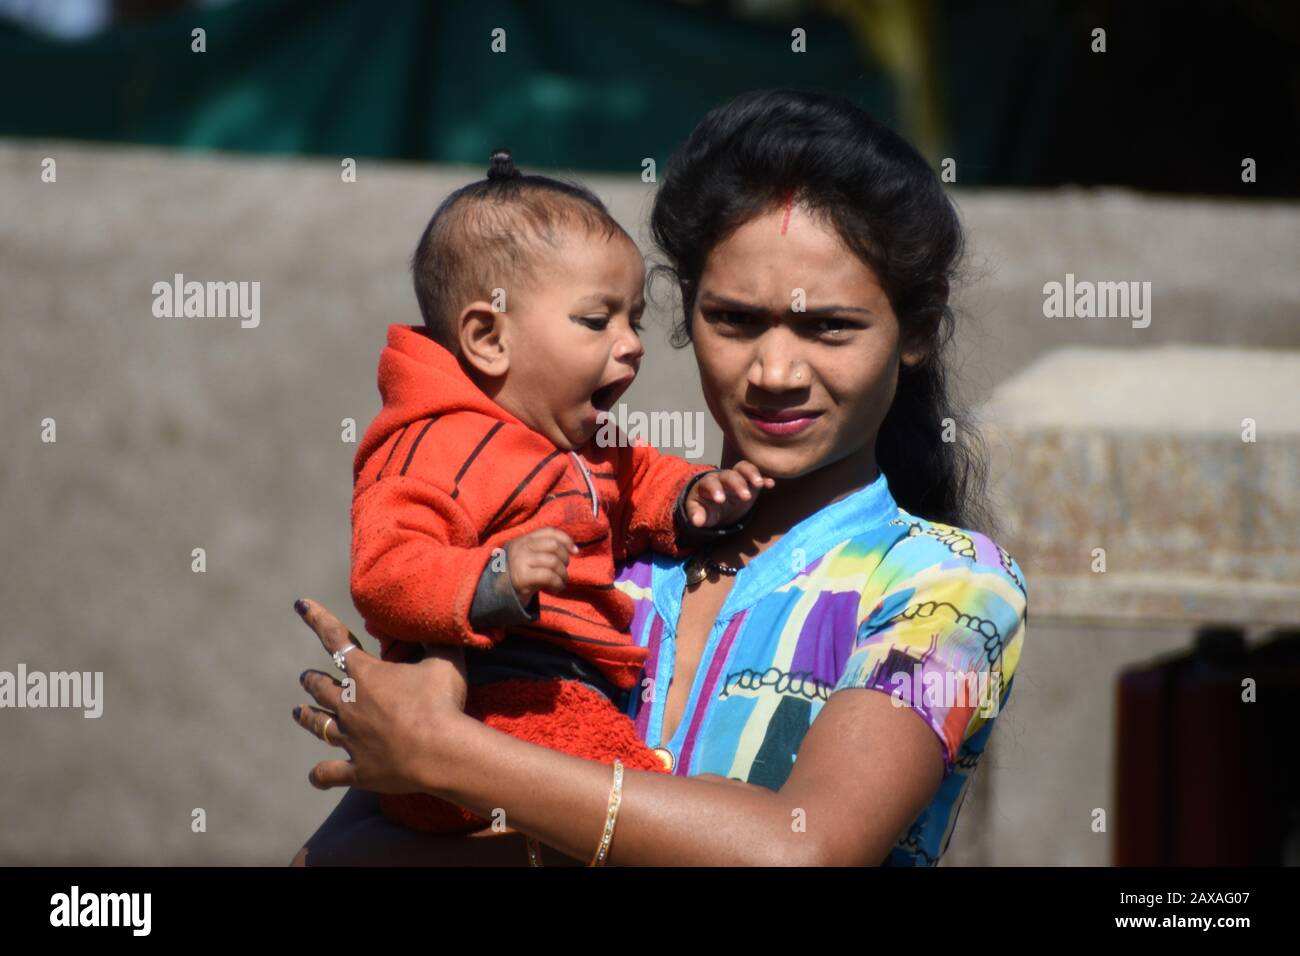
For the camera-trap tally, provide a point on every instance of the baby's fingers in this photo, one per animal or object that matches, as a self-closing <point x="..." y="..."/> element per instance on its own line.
<point x="751" y="474"/>
<point x="696" y="513"/>
<point x="735" y="484"/>
<point x="709" y="488"/>
<point x="552" y="579"/>
<point x="557" y="541"/>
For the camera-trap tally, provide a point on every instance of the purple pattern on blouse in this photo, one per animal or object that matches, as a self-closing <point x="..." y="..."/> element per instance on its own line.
<point x="833" y="613"/>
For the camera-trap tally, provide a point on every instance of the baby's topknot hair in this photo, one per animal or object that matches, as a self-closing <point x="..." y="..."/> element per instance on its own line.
<point x="502" y="166"/>
<point x="493" y="234"/>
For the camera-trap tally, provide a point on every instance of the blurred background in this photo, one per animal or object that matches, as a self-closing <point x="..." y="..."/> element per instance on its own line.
<point x="1145" y="477"/>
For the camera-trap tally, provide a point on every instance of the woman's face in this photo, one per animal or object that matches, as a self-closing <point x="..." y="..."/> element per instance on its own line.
<point x="797" y="345"/>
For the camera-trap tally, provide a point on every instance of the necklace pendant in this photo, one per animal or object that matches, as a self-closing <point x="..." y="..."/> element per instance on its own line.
<point x="696" y="570"/>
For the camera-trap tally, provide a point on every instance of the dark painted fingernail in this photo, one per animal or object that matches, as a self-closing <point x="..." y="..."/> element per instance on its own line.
<point x="300" y="606"/>
<point x="297" y="713"/>
<point x="302" y="677"/>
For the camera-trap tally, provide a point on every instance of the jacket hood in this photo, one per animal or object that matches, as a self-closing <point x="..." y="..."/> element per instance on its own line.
<point x="419" y="379"/>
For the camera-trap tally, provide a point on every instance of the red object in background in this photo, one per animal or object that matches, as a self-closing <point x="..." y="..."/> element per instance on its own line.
<point x="1203" y="777"/>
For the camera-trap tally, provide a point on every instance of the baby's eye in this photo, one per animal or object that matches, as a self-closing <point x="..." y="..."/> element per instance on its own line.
<point x="595" y="322"/>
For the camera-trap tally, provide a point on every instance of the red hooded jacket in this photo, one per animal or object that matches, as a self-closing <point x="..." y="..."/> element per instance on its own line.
<point x="444" y="475"/>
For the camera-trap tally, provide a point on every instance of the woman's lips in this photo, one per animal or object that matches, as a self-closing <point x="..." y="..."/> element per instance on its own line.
<point x="784" y="422"/>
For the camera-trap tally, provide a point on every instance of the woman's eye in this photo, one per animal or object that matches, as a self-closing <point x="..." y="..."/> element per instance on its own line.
<point x="738" y="319"/>
<point x="834" y="327"/>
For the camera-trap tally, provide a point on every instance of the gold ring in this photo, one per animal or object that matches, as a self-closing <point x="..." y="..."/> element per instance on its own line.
<point x="325" y="731"/>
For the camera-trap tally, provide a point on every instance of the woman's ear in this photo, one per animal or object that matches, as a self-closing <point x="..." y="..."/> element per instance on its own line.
<point x="918" y="341"/>
<point x="480" y="335"/>
<point x="919" y="337"/>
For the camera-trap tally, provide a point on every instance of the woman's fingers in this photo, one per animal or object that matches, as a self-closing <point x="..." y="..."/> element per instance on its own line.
<point x="322" y="723"/>
<point x="333" y="773"/>
<point x="333" y="633"/>
<point x="324" y="689"/>
<point x="391" y="723"/>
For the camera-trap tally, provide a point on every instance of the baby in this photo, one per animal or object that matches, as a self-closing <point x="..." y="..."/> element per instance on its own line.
<point x="479" y="488"/>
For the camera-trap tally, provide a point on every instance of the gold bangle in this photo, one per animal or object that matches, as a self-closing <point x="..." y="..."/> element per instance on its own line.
<point x="611" y="816"/>
<point x="534" y="851"/>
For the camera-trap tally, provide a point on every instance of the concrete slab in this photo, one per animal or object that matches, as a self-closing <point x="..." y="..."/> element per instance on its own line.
<point x="1153" y="484"/>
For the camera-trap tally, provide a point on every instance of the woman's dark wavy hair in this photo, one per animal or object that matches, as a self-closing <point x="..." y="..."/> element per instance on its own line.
<point x="887" y="205"/>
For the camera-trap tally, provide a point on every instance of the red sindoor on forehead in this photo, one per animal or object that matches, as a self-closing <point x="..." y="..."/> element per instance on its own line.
<point x="789" y="204"/>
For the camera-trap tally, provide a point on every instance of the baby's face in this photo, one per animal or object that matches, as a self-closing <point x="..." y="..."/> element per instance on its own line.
<point x="573" y="337"/>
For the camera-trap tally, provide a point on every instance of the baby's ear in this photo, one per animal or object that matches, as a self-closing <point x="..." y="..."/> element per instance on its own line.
<point x="482" y="344"/>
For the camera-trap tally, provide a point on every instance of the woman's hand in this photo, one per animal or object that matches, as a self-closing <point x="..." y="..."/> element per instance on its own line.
<point x="394" y="720"/>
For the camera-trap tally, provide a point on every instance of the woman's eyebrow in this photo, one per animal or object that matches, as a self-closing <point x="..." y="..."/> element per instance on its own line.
<point x="822" y="312"/>
<point x="828" y="310"/>
<point x="713" y="298"/>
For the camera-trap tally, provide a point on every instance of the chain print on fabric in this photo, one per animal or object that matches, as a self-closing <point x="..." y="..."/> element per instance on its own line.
<point x="953" y="536"/>
<point x="954" y="539"/>
<point x="982" y="626"/>
<point x="912" y="843"/>
<point x="781" y="681"/>
<point x="967" y="760"/>
<point x="1005" y="558"/>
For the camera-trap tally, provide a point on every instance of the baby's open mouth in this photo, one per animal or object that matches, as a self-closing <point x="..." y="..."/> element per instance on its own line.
<point x="603" y="398"/>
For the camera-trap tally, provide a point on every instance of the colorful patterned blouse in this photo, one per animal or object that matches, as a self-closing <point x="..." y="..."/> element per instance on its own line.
<point x="860" y="594"/>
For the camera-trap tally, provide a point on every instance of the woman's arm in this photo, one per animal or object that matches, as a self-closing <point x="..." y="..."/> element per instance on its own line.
<point x="865" y="771"/>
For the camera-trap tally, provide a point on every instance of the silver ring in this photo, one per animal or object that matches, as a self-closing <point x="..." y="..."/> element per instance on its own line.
<point x="340" y="657"/>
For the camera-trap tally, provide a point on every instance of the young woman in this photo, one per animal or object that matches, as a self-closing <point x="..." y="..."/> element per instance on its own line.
<point x="856" y="623"/>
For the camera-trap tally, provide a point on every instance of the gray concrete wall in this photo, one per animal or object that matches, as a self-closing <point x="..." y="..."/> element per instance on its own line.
<point x="175" y="434"/>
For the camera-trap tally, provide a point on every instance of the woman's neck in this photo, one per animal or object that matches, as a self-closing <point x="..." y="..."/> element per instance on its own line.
<point x="792" y="500"/>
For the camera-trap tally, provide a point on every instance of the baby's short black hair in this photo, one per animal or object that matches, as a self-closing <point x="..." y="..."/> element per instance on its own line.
<point x="486" y="235"/>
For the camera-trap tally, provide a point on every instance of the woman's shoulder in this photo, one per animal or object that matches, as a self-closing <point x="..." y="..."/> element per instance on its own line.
<point x="919" y="545"/>
<point x="946" y="606"/>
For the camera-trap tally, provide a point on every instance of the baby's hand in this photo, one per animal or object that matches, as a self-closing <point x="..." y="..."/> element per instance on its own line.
<point x="723" y="497"/>
<point x="540" y="562"/>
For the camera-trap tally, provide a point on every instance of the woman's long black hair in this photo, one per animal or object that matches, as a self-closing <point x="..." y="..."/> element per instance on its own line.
<point x="888" y="206"/>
